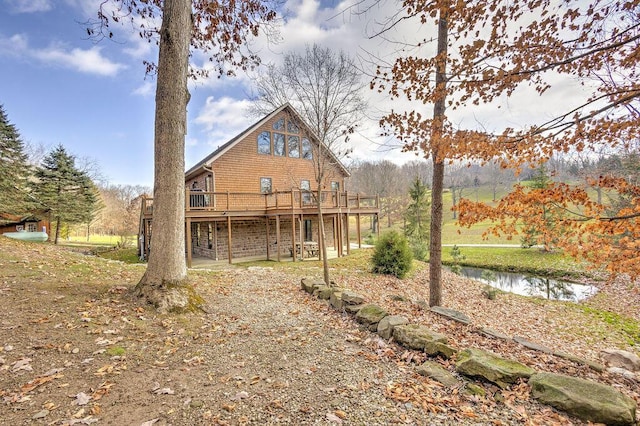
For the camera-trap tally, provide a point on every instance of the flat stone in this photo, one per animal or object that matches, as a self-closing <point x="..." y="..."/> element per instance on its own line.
<point x="585" y="399"/>
<point x="623" y="372"/>
<point x="352" y="309"/>
<point x="475" y="390"/>
<point x="388" y="323"/>
<point x="435" y="371"/>
<point x="439" y="348"/>
<point x="478" y="363"/>
<point x="351" y="298"/>
<point x="323" y="292"/>
<point x="451" y="314"/>
<point x="493" y="333"/>
<point x="310" y="285"/>
<point x="336" y="300"/>
<point x="531" y="345"/>
<point x="591" y="364"/>
<point x="415" y="336"/>
<point x="370" y="315"/>
<point x="622" y="359"/>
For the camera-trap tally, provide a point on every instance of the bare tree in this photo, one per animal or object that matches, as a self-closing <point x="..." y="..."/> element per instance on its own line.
<point x="219" y="30"/>
<point x="325" y="88"/>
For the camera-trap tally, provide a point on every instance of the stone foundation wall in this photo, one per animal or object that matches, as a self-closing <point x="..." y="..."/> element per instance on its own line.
<point x="249" y="237"/>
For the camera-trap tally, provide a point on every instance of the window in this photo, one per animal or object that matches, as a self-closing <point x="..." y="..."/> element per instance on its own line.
<point x="265" y="185"/>
<point x="278" y="144"/>
<point x="308" y="232"/>
<point x="305" y="185"/>
<point x="292" y="127"/>
<point x="335" y="186"/>
<point x="264" y="143"/>
<point x="279" y="125"/>
<point x="32" y="227"/>
<point x="306" y="149"/>
<point x="294" y="147"/>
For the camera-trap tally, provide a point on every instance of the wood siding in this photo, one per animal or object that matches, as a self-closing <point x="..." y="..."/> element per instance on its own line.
<point x="241" y="167"/>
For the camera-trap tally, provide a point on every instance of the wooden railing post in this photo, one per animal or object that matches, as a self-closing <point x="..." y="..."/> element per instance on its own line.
<point x="358" y="200"/>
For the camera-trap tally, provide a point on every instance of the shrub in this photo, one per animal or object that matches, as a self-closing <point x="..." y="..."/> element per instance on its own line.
<point x="420" y="249"/>
<point x="392" y="255"/>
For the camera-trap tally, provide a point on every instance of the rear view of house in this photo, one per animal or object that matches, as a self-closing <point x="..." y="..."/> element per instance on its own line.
<point x="256" y="195"/>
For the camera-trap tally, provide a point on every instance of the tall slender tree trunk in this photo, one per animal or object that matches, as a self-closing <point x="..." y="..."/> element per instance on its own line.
<point x="435" y="244"/>
<point x="321" y="237"/>
<point x="55" y="240"/>
<point x="163" y="282"/>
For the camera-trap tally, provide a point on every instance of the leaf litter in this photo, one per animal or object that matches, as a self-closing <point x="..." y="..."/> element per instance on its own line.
<point x="267" y="353"/>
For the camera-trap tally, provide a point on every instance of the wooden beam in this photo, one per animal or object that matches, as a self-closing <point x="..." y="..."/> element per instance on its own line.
<point x="229" y="245"/>
<point x="278" y="237"/>
<point x="189" y="245"/>
<point x="358" y="231"/>
<point x="293" y="232"/>
<point x="267" y="227"/>
<point x="347" y="234"/>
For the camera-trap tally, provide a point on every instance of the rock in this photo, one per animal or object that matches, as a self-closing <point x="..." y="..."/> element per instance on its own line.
<point x="435" y="371"/>
<point x="352" y="309"/>
<point x="475" y="390"/>
<point x="310" y="285"/>
<point x="591" y="364"/>
<point x="323" y="292"/>
<point x="478" y="363"/>
<point x="336" y="300"/>
<point x="388" y="323"/>
<point x="414" y="336"/>
<point x="351" y="298"/>
<point x="40" y="414"/>
<point x="585" y="399"/>
<point x="370" y="315"/>
<point x="493" y="333"/>
<point x="531" y="345"/>
<point x="621" y="359"/>
<point x="622" y="372"/>
<point x="451" y="314"/>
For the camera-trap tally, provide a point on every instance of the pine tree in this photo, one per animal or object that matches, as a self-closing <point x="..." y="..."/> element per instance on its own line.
<point x="14" y="169"/>
<point x="417" y="218"/>
<point x="67" y="192"/>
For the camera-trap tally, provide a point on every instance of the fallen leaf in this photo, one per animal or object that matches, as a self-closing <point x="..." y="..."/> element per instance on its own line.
<point x="340" y="414"/>
<point x="22" y="364"/>
<point x="229" y="407"/>
<point x="333" y="418"/>
<point x="163" y="391"/>
<point x="240" y="395"/>
<point x="150" y="422"/>
<point x="82" y="399"/>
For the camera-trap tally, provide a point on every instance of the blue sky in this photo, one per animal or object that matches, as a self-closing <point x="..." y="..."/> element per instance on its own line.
<point x="57" y="86"/>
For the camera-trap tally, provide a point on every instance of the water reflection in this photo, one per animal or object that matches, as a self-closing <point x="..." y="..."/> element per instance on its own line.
<point x="530" y="285"/>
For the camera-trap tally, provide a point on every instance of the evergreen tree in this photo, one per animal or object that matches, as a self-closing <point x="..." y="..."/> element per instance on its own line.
<point x="66" y="191"/>
<point x="14" y="169"/>
<point x="544" y="227"/>
<point x="417" y="219"/>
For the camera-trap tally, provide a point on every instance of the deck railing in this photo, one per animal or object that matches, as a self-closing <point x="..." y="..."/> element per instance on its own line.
<point x="243" y="201"/>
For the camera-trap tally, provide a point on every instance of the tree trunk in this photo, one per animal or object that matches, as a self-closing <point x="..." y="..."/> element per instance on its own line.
<point x="435" y="243"/>
<point x="164" y="282"/>
<point x="321" y="237"/>
<point x="55" y="240"/>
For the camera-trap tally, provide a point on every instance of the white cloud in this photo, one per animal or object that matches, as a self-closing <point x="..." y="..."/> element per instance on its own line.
<point x="147" y="89"/>
<point x="222" y="119"/>
<point x="86" y="61"/>
<point x="89" y="61"/>
<point x="29" y="6"/>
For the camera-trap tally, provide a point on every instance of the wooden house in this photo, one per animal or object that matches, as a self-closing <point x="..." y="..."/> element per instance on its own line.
<point x="37" y="222"/>
<point x="256" y="195"/>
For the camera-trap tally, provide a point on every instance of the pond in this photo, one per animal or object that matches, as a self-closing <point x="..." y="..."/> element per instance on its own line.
<point x="531" y="285"/>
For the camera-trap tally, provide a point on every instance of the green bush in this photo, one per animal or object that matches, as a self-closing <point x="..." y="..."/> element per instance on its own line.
<point x="420" y="249"/>
<point x="392" y="255"/>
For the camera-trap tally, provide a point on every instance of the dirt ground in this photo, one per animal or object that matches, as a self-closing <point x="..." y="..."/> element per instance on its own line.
<point x="75" y="348"/>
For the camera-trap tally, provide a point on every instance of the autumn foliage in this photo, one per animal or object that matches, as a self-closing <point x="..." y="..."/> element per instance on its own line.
<point x="500" y="50"/>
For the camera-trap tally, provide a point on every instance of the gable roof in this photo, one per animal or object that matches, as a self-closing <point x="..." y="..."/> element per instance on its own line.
<point x="231" y="143"/>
